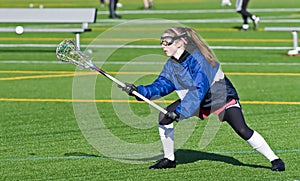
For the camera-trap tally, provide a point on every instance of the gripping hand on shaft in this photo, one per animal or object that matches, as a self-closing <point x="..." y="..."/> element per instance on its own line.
<point x="129" y="88"/>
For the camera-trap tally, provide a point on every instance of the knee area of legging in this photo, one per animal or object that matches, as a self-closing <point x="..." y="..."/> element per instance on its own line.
<point x="245" y="133"/>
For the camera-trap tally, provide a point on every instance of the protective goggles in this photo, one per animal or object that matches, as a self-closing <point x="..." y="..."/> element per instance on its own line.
<point x="169" y="40"/>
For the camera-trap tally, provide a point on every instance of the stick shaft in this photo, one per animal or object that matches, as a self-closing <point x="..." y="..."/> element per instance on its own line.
<point x="134" y="92"/>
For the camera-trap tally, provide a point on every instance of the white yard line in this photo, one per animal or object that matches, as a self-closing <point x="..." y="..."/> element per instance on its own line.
<point x="282" y="19"/>
<point x="198" y="11"/>
<point x="160" y="21"/>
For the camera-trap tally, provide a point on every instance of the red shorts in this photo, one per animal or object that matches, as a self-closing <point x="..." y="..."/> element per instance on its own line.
<point x="205" y="113"/>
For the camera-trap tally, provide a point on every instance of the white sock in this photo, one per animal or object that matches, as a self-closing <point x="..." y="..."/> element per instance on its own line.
<point x="166" y="133"/>
<point x="258" y="143"/>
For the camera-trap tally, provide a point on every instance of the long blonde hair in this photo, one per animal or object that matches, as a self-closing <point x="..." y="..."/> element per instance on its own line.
<point x="193" y="41"/>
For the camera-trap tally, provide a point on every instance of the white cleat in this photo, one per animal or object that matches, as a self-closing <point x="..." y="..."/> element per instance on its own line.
<point x="245" y="27"/>
<point x="256" y="20"/>
<point x="226" y="3"/>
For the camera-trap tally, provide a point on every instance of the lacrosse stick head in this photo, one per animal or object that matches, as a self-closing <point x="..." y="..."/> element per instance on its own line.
<point x="67" y="51"/>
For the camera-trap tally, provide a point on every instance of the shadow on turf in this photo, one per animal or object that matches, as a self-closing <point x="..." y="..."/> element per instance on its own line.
<point x="190" y="156"/>
<point x="182" y="157"/>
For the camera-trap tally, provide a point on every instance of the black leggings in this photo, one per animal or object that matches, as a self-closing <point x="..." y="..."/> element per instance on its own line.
<point x="112" y="7"/>
<point x="233" y="116"/>
<point x="245" y="14"/>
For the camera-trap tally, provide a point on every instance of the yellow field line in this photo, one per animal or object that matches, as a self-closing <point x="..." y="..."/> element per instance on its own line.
<point x="65" y="72"/>
<point x="270" y="102"/>
<point x="36" y="77"/>
<point x="70" y="73"/>
<point x="263" y="73"/>
<point x="58" y="74"/>
<point x="33" y="72"/>
<point x="130" y="101"/>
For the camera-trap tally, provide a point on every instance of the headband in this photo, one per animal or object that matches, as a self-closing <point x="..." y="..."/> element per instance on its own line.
<point x="181" y="35"/>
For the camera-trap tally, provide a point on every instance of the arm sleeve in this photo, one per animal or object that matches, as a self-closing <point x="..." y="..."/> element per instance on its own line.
<point x="159" y="88"/>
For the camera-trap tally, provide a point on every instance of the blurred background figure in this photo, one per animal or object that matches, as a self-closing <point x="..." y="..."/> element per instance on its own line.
<point x="241" y="8"/>
<point x="148" y="4"/>
<point x="226" y="3"/>
<point x="103" y="2"/>
<point x="112" y="9"/>
<point x="112" y="6"/>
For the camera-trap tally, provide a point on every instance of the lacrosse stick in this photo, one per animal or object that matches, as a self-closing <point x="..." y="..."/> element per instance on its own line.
<point x="67" y="51"/>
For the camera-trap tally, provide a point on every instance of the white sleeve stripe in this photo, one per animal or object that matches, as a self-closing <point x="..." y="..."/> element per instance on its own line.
<point x="219" y="75"/>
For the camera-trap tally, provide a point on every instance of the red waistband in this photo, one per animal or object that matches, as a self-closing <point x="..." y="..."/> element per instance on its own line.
<point x="205" y="113"/>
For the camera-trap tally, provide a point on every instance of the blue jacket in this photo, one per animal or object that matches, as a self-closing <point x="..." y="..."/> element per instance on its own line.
<point x="208" y="88"/>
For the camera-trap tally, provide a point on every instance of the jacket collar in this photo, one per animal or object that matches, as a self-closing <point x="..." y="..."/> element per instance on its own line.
<point x="182" y="58"/>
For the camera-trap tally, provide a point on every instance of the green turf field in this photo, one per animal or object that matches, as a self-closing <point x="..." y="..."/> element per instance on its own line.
<point x="62" y="123"/>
